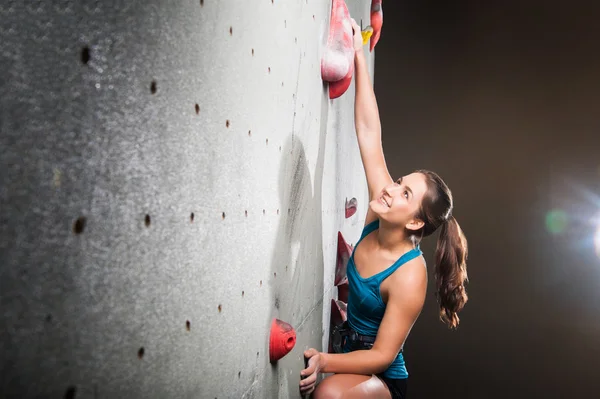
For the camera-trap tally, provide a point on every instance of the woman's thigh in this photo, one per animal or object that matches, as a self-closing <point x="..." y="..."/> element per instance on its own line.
<point x="351" y="386"/>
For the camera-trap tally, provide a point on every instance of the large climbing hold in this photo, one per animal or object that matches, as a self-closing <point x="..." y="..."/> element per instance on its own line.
<point x="343" y="255"/>
<point x="337" y="64"/>
<point x="376" y="21"/>
<point x="281" y="340"/>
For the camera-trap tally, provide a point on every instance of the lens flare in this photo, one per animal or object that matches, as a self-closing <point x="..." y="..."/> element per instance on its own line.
<point x="556" y="221"/>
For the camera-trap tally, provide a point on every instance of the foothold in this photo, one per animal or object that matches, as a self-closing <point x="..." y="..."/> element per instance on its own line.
<point x="153" y="87"/>
<point x="281" y="340"/>
<point x="343" y="290"/>
<point x="249" y="133"/>
<point x="201" y="3"/>
<point x="246" y="213"/>
<point x="230" y="31"/>
<point x="227" y="123"/>
<point x="188" y="325"/>
<point x="223" y="215"/>
<point x="192" y="217"/>
<point x="242" y="293"/>
<point x="141" y="352"/>
<point x="376" y="22"/>
<point x="197" y="107"/>
<point x="337" y="64"/>
<point x="147" y="220"/>
<point x="351" y="207"/>
<point x="344" y="251"/>
<point x="252" y="51"/>
<point x="220" y="308"/>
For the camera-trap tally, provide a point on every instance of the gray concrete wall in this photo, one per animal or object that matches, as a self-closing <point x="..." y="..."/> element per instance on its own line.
<point x="119" y="121"/>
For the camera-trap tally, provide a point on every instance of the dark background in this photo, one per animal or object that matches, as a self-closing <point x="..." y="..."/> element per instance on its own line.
<point x="501" y="99"/>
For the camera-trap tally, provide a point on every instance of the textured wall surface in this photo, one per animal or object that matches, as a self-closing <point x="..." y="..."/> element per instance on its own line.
<point x="172" y="177"/>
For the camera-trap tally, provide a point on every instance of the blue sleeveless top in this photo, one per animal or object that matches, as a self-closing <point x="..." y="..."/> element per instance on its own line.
<point x="365" y="305"/>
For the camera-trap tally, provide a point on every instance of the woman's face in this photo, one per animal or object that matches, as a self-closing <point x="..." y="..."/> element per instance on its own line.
<point x="399" y="202"/>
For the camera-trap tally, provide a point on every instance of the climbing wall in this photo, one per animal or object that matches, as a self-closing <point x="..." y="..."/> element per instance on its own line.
<point x="173" y="176"/>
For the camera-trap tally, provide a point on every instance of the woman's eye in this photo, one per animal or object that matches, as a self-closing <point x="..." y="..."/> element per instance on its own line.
<point x="406" y="194"/>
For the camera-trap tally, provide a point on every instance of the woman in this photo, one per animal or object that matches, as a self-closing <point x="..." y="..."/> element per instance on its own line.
<point x="387" y="273"/>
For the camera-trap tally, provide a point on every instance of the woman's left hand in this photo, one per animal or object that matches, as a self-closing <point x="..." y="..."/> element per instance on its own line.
<point x="309" y="375"/>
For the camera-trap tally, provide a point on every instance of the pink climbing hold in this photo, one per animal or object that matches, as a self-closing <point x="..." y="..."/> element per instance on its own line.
<point x="344" y="251"/>
<point x="337" y="64"/>
<point x="281" y="340"/>
<point x="351" y="207"/>
<point x="376" y="21"/>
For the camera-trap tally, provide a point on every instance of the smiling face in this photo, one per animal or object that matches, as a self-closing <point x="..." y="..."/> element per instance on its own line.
<point x="399" y="202"/>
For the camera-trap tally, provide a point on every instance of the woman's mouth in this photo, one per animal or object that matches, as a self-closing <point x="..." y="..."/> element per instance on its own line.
<point x="383" y="201"/>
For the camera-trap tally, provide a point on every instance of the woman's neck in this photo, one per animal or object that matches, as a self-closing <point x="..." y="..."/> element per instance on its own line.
<point x="393" y="239"/>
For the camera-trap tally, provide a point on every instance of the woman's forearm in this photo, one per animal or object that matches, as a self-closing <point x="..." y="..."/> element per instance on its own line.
<point x="366" y="114"/>
<point x="364" y="362"/>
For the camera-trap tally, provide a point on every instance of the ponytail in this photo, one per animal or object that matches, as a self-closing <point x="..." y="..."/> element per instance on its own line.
<point x="451" y="271"/>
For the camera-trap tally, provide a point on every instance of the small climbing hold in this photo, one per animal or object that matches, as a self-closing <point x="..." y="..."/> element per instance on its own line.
<point x="376" y="22"/>
<point x="343" y="290"/>
<point x="343" y="255"/>
<point x="366" y="34"/>
<point x="337" y="63"/>
<point x="282" y="339"/>
<point x="351" y="207"/>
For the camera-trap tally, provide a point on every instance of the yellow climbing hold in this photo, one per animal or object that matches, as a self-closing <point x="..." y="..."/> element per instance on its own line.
<point x="366" y="34"/>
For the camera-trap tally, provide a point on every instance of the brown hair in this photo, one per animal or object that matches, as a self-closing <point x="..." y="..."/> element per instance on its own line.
<point x="451" y="252"/>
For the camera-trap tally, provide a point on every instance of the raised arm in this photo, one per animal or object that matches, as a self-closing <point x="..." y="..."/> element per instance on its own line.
<point x="367" y="124"/>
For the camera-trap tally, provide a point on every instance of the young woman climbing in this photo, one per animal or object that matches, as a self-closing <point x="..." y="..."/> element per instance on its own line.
<point x="387" y="274"/>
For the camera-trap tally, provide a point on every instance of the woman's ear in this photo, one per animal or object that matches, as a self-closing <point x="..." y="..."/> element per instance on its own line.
<point x="415" y="224"/>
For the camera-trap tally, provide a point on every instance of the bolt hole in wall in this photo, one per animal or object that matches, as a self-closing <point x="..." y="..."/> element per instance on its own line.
<point x="141" y="352"/>
<point x="85" y="55"/>
<point x="70" y="394"/>
<point x="79" y="225"/>
<point x="197" y="107"/>
<point x="147" y="220"/>
<point x="188" y="325"/>
<point x="153" y="87"/>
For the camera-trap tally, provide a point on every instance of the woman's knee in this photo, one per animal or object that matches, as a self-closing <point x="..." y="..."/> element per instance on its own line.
<point x="328" y="389"/>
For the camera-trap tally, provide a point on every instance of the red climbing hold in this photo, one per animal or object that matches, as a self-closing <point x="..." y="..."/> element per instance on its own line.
<point x="336" y="89"/>
<point x="281" y="340"/>
<point x="343" y="255"/>
<point x="337" y="64"/>
<point x="350" y="207"/>
<point x="343" y="290"/>
<point x="376" y="21"/>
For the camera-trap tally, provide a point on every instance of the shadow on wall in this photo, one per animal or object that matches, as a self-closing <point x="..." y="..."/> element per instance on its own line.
<point x="297" y="262"/>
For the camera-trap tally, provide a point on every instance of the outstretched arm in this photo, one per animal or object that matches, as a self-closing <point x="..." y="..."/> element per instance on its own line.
<point x="368" y="125"/>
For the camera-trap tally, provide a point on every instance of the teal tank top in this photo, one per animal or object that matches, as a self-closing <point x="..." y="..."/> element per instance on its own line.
<point x="365" y="305"/>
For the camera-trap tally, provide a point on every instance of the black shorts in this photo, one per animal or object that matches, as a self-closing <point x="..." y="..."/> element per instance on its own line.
<point x="396" y="386"/>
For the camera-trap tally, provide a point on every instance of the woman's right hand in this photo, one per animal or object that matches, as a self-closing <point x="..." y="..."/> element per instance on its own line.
<point x="311" y="372"/>
<point x="357" y="39"/>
